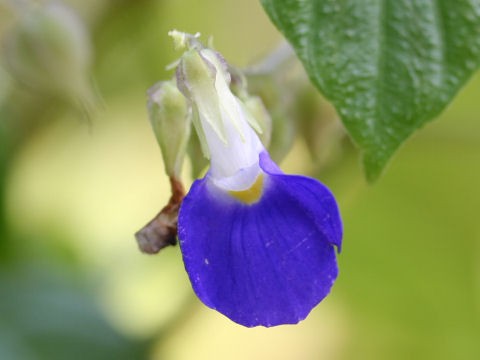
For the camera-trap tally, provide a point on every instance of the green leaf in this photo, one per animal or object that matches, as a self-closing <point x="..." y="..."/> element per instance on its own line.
<point x="388" y="66"/>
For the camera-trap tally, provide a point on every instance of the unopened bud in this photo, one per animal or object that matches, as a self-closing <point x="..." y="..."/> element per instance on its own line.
<point x="278" y="104"/>
<point x="261" y="118"/>
<point x="170" y="118"/>
<point x="49" y="50"/>
<point x="257" y="114"/>
<point x="283" y="134"/>
<point x="198" y="160"/>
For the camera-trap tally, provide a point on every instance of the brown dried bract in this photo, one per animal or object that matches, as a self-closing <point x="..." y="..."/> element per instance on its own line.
<point x="162" y="230"/>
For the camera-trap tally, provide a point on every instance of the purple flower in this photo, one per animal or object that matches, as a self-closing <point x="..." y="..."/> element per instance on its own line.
<point x="258" y="245"/>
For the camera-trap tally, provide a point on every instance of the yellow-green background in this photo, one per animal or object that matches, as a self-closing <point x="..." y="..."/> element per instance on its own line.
<point x="409" y="284"/>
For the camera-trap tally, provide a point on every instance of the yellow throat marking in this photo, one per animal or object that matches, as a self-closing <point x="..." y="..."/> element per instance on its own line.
<point x="251" y="195"/>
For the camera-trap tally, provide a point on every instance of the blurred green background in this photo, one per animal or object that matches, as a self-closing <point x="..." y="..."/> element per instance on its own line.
<point x="75" y="185"/>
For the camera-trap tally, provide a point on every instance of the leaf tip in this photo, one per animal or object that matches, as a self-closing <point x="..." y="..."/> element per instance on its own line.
<point x="373" y="166"/>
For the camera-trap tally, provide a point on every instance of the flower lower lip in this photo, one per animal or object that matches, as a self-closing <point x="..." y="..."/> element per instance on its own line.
<point x="267" y="264"/>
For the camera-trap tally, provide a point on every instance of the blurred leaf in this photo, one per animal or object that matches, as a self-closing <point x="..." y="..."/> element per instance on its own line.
<point x="388" y="67"/>
<point x="45" y="317"/>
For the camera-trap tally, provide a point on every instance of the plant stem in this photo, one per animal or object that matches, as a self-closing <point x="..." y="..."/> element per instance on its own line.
<point x="162" y="230"/>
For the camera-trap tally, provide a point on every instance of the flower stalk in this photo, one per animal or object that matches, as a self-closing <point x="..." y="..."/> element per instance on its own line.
<point x="161" y="231"/>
